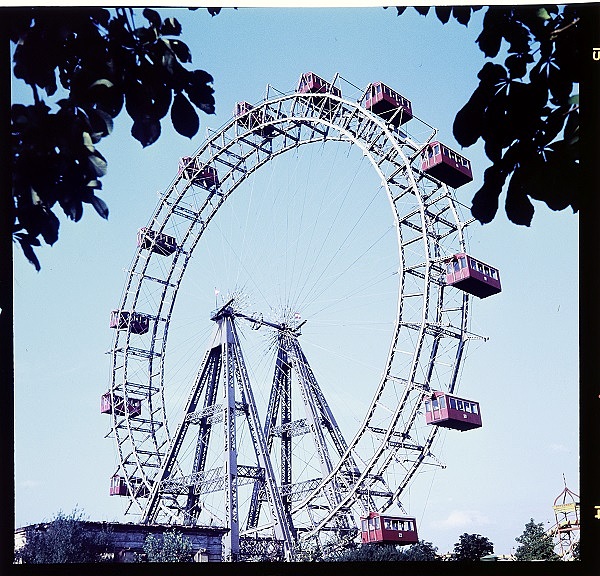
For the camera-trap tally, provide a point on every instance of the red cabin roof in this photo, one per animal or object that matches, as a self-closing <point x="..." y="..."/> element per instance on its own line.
<point x="449" y="411"/>
<point x="400" y="530"/>
<point x="446" y="165"/>
<point x="311" y="83"/>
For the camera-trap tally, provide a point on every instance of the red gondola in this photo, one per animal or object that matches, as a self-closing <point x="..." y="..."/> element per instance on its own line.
<point x="134" y="405"/>
<point x="203" y="176"/>
<point x="452" y="412"/>
<point x="472" y="276"/>
<point x="137" y="323"/>
<point x="389" y="104"/>
<point x="311" y="83"/>
<point x="388" y="529"/>
<point x="446" y="165"/>
<point x="156" y="242"/>
<point x="118" y="486"/>
<point x="252" y="119"/>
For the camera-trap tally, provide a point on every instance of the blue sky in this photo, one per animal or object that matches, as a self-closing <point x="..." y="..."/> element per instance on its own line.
<point x="525" y="376"/>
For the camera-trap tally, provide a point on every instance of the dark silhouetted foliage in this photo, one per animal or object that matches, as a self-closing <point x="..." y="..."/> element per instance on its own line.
<point x="85" y="65"/>
<point x="535" y="544"/>
<point x="525" y="110"/>
<point x="471" y="547"/>
<point x="64" y="540"/>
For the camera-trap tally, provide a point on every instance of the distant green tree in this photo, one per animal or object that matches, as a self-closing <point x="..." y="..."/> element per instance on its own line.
<point x="420" y="552"/>
<point x="64" y="540"/>
<point x="171" y="547"/>
<point x="471" y="547"/>
<point x="535" y="544"/>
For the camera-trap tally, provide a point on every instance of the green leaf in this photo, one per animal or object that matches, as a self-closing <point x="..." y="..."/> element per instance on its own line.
<point x="152" y="16"/>
<point x="171" y="27"/>
<point x="146" y="131"/>
<point x="485" y="202"/>
<point x="184" y="117"/>
<point x="519" y="208"/>
<point x="181" y="50"/>
<point x="98" y="163"/>
<point x="102" y="82"/>
<point x="443" y="13"/>
<point x="100" y="206"/>
<point x="574" y="100"/>
<point x="26" y="246"/>
<point x="543" y="14"/>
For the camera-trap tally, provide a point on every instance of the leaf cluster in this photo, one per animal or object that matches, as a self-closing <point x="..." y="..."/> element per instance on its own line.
<point x="90" y="64"/>
<point x="523" y="109"/>
<point x="525" y="113"/>
<point x="64" y="540"/>
<point x="172" y="546"/>
<point x="535" y="544"/>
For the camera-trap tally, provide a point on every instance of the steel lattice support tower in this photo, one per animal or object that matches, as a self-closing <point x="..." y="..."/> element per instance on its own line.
<point x="566" y="528"/>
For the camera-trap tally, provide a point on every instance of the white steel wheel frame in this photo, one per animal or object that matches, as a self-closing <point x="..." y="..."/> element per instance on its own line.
<point x="430" y="329"/>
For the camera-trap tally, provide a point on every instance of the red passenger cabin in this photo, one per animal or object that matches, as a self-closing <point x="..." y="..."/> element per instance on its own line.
<point x="451" y="412"/>
<point x="134" y="405"/>
<point x="446" y="165"/>
<point x="137" y="323"/>
<point x="157" y="242"/>
<point x="378" y="527"/>
<point x="252" y="119"/>
<point x="472" y="276"/>
<point x="388" y="104"/>
<point x="311" y="83"/>
<point x="118" y="486"/>
<point x="200" y="175"/>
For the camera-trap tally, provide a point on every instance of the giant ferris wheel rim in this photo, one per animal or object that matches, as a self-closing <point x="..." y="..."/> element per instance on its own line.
<point x="171" y="202"/>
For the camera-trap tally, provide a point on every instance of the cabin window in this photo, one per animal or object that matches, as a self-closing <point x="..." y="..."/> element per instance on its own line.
<point x="463" y="262"/>
<point x="459" y="405"/>
<point x="364" y="525"/>
<point x="467" y="406"/>
<point x="436" y="149"/>
<point x="456" y="266"/>
<point x="493" y="273"/>
<point x="452" y="403"/>
<point x="474" y="408"/>
<point x="436" y="405"/>
<point x="449" y="268"/>
<point x="386" y="524"/>
<point x="473" y="264"/>
<point x="427" y="406"/>
<point x="486" y="270"/>
<point x="377" y="523"/>
<point x="442" y="401"/>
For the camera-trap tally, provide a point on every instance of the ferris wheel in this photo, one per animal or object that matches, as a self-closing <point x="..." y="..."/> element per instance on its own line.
<point x="285" y="356"/>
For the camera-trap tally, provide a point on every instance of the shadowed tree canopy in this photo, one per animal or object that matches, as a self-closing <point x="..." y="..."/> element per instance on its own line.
<point x="64" y="540"/>
<point x="525" y="110"/>
<point x="472" y="547"/>
<point x="84" y="66"/>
